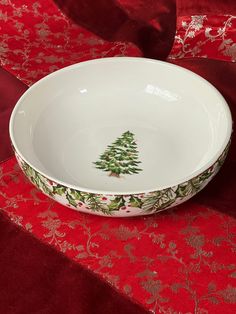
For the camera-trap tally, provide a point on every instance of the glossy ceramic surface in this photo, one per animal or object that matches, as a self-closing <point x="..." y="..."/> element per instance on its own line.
<point x="121" y="136"/>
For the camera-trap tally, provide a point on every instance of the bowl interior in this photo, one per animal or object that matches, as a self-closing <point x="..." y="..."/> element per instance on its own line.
<point x="121" y="125"/>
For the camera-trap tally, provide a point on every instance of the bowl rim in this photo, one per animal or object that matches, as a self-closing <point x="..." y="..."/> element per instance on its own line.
<point x="206" y="166"/>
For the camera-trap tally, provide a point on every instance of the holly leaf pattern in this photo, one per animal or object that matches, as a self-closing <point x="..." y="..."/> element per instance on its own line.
<point x="79" y="196"/>
<point x="59" y="189"/>
<point x="184" y="189"/>
<point x="135" y="201"/>
<point x="117" y="203"/>
<point x="159" y="200"/>
<point x="198" y="182"/>
<point x="71" y="200"/>
<point x="37" y="179"/>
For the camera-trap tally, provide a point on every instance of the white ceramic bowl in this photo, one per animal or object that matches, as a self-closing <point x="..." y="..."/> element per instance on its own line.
<point x="121" y="136"/>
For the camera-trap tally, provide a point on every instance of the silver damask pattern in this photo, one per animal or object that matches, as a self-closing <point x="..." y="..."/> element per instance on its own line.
<point x="37" y="39"/>
<point x="205" y="36"/>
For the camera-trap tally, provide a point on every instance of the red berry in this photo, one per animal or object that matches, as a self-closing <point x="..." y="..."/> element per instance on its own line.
<point x="104" y="198"/>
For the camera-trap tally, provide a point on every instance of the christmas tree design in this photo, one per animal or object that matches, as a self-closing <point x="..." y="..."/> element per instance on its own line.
<point x="121" y="157"/>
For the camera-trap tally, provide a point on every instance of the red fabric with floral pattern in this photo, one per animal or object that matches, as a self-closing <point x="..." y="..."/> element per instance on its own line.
<point x="205" y="36"/>
<point x="187" y="253"/>
<point x="36" y="39"/>
<point x="35" y="278"/>
<point x="205" y="29"/>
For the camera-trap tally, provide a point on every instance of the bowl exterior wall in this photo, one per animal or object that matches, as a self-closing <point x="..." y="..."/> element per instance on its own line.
<point x="121" y="205"/>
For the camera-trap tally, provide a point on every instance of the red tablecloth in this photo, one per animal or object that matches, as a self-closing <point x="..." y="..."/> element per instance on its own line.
<point x="181" y="261"/>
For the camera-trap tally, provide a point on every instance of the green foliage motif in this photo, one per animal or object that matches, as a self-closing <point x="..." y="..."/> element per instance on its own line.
<point x="37" y="179"/>
<point x="123" y="150"/>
